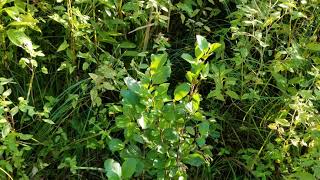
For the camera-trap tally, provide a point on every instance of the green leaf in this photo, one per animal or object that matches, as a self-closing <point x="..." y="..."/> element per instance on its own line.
<point x="190" y="76"/>
<point x="130" y="97"/>
<point x="132" y="84"/>
<point x="26" y="20"/>
<point x="134" y="54"/>
<point x="115" y="145"/>
<point x="161" y="75"/>
<point x="216" y="94"/>
<point x="44" y="70"/>
<point x="194" y="160"/>
<point x="202" y="43"/>
<point x="157" y="61"/>
<point x="122" y="121"/>
<point x="188" y="58"/>
<point x="7" y="93"/>
<point x="214" y="47"/>
<point x="162" y="89"/>
<point x="142" y="122"/>
<point x="6" y="128"/>
<point x="112" y="169"/>
<point x="63" y="46"/>
<point x="181" y="91"/>
<point x="201" y="141"/>
<point x="127" y="44"/>
<point x="12" y="11"/>
<point x="283" y="122"/>
<point x="313" y="46"/>
<point x="304" y="176"/>
<point x="25" y="136"/>
<point x="129" y="167"/>
<point x="273" y="126"/>
<point x="19" y="38"/>
<point x="232" y="94"/>
<point x="190" y="130"/>
<point x="198" y="52"/>
<point x="204" y="128"/>
<point x="171" y="135"/>
<point x="48" y="121"/>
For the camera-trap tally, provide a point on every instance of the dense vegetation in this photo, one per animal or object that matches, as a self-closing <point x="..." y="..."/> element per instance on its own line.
<point x="160" y="89"/>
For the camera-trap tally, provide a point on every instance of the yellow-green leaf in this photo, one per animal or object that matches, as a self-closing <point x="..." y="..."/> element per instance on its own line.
<point x="181" y="91"/>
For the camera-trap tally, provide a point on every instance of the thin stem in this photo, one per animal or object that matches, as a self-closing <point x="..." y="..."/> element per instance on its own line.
<point x="6" y="173"/>
<point x="30" y="83"/>
<point x="72" y="40"/>
<point x="91" y="168"/>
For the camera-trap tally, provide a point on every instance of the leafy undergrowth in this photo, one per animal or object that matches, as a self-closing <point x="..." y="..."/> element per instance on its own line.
<point x="159" y="89"/>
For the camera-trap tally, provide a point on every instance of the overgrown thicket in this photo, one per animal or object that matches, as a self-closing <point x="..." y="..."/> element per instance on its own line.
<point x="160" y="89"/>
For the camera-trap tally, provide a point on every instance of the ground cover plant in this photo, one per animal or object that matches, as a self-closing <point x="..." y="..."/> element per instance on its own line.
<point x="160" y="89"/>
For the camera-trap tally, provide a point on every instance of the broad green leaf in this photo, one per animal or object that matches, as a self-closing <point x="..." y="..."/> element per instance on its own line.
<point x="190" y="130"/>
<point x="122" y="121"/>
<point x="188" y="58"/>
<point x="14" y="111"/>
<point x="190" y="76"/>
<point x="157" y="61"/>
<point x="169" y="113"/>
<point x="142" y="122"/>
<point x="115" y="145"/>
<point x="44" y="70"/>
<point x="313" y="46"/>
<point x="181" y="91"/>
<point x="304" y="176"/>
<point x="201" y="141"/>
<point x="25" y="136"/>
<point x="216" y="94"/>
<point x="12" y="11"/>
<point x="186" y="6"/>
<point x="207" y="28"/>
<point x="202" y="43"/>
<point x="171" y="135"/>
<point x="133" y="84"/>
<point x="7" y="93"/>
<point x="130" y="97"/>
<point x="197" y="68"/>
<point x="63" y="46"/>
<point x="205" y="71"/>
<point x="214" y="47"/>
<point x="283" y="122"/>
<point x="19" y="38"/>
<point x="161" y="75"/>
<point x="204" y="128"/>
<point x="6" y="128"/>
<point x="26" y="20"/>
<point x="162" y="89"/>
<point x="198" y="52"/>
<point x="4" y="81"/>
<point x="129" y="167"/>
<point x="112" y="169"/>
<point x="273" y="126"/>
<point x="194" y="160"/>
<point x="59" y="19"/>
<point x="232" y="94"/>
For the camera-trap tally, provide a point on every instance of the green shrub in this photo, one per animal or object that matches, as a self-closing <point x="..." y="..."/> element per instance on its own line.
<point x="113" y="89"/>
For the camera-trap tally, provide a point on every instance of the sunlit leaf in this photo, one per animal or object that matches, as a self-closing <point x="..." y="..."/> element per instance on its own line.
<point x="181" y="91"/>
<point x="63" y="46"/>
<point x="113" y="169"/>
